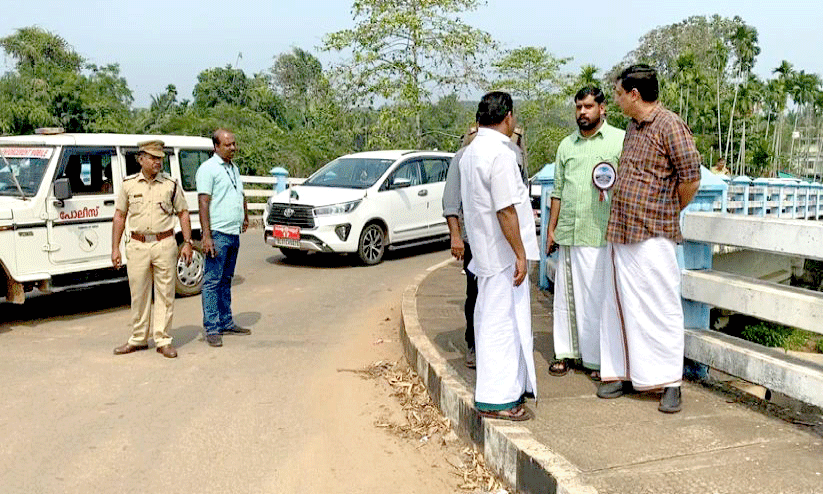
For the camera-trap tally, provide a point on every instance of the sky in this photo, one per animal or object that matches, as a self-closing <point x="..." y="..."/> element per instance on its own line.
<point x="158" y="42"/>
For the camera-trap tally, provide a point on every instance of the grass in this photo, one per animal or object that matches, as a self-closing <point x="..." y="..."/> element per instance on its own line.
<point x="779" y="336"/>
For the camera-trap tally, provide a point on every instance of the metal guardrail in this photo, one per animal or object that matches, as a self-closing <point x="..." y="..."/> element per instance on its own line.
<point x="258" y="207"/>
<point x="781" y="198"/>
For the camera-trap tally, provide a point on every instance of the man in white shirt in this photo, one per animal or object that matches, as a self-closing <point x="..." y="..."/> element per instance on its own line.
<point x="500" y="227"/>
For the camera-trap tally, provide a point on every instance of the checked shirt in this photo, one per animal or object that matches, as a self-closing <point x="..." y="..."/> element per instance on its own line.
<point x="658" y="155"/>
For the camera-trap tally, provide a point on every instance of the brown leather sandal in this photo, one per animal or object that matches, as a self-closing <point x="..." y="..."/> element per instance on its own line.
<point x="518" y="413"/>
<point x="559" y="367"/>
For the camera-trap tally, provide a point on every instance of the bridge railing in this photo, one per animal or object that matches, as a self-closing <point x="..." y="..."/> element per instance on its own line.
<point x="760" y="215"/>
<point x="781" y="198"/>
<point x="271" y="182"/>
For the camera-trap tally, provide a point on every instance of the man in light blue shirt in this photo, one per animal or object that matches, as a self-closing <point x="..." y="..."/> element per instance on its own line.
<point x="223" y="217"/>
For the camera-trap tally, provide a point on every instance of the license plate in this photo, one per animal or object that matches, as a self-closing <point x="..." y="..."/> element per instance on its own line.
<point x="286" y="236"/>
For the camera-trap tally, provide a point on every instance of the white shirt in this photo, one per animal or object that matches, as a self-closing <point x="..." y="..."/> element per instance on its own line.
<point x="489" y="182"/>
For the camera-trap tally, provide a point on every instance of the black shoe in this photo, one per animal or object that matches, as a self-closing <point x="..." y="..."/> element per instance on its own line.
<point x="237" y="330"/>
<point x="670" y="401"/>
<point x="214" y="340"/>
<point x="613" y="389"/>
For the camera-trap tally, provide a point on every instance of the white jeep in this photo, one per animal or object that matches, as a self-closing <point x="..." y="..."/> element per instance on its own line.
<point x="57" y="195"/>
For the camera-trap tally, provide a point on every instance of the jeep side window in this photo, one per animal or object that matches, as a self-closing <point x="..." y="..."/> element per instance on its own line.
<point x="132" y="166"/>
<point x="190" y="160"/>
<point x="87" y="169"/>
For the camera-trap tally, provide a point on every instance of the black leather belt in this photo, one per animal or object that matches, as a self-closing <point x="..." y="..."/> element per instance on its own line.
<point x="151" y="237"/>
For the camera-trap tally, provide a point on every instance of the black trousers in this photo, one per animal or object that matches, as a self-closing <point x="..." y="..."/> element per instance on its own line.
<point x="471" y="296"/>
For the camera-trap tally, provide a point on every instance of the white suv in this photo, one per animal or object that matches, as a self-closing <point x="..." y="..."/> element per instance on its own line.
<point x="363" y="203"/>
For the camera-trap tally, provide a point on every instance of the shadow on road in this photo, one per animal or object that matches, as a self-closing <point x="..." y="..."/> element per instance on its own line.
<point x="322" y="260"/>
<point x="69" y="304"/>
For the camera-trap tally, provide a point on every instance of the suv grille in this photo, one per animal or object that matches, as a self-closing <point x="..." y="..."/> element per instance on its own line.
<point x="299" y="215"/>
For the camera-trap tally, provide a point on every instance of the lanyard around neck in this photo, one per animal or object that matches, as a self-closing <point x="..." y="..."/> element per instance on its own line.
<point x="230" y="174"/>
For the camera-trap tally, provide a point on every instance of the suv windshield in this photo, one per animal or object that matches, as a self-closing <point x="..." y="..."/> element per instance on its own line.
<point x="350" y="173"/>
<point x="23" y="166"/>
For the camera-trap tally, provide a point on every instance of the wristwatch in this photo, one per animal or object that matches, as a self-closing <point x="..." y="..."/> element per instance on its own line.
<point x="188" y="241"/>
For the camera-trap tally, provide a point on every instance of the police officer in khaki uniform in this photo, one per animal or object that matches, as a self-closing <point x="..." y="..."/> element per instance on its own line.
<point x="150" y="199"/>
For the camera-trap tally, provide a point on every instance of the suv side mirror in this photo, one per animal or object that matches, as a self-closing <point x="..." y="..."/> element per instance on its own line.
<point x="400" y="183"/>
<point x="62" y="190"/>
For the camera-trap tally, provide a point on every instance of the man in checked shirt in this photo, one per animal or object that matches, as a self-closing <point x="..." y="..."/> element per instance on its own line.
<point x="642" y="337"/>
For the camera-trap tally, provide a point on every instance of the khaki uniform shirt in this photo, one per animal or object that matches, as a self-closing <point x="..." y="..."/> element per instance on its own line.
<point x="148" y="205"/>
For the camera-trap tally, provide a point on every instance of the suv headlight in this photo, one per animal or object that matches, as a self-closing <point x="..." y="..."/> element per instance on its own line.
<point x="342" y="208"/>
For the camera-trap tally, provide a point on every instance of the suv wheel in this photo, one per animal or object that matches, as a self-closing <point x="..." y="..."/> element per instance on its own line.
<point x="190" y="278"/>
<point x="372" y="244"/>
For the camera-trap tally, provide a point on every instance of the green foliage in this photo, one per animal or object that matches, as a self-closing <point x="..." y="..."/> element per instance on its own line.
<point x="221" y="85"/>
<point x="409" y="63"/>
<point x="778" y="336"/>
<point x="298" y="74"/>
<point x="767" y="334"/>
<point x="35" y="49"/>
<point x="52" y="86"/>
<point x="405" y="50"/>
<point x="529" y="72"/>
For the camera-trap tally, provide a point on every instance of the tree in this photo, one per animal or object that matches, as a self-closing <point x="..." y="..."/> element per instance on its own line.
<point x="744" y="43"/>
<point x="586" y="78"/>
<point x="702" y="56"/>
<point x="220" y="85"/>
<point x="403" y="51"/>
<point x="34" y="47"/>
<point x="529" y="72"/>
<point x="297" y="74"/>
<point x="53" y="86"/>
<point x="662" y="46"/>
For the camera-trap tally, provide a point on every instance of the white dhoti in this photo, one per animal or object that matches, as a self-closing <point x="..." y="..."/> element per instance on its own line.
<point x="579" y="289"/>
<point x="504" y="345"/>
<point x="642" y="336"/>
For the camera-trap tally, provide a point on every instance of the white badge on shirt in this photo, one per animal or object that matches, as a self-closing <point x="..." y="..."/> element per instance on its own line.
<point x="603" y="177"/>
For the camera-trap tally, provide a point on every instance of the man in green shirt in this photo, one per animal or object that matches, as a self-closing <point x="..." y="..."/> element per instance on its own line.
<point x="577" y="224"/>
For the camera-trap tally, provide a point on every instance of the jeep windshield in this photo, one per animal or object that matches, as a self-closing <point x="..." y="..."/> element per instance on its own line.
<point x="21" y="172"/>
<point x="350" y="173"/>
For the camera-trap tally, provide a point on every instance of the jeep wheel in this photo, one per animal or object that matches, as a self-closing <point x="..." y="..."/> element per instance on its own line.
<point x="372" y="244"/>
<point x="189" y="279"/>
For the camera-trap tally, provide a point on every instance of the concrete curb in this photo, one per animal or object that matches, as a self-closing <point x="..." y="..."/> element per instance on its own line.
<point x="510" y="450"/>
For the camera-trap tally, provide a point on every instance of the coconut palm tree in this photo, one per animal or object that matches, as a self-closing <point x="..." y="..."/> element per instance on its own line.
<point x="744" y="44"/>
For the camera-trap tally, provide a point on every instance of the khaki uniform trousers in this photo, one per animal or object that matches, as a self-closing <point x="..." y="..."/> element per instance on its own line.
<point x="151" y="264"/>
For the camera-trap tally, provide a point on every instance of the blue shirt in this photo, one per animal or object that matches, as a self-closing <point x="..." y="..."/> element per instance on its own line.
<point x="221" y="181"/>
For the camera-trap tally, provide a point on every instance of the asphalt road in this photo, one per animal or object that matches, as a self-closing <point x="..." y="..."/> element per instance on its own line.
<point x="270" y="412"/>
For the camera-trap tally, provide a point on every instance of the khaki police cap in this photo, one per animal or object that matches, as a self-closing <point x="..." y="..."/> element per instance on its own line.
<point x="154" y="148"/>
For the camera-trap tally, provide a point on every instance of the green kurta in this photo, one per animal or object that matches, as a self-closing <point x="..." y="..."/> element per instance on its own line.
<point x="583" y="216"/>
